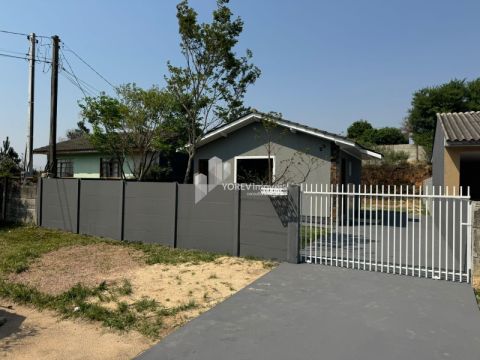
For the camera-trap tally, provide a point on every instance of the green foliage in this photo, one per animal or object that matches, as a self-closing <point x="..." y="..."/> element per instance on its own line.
<point x="139" y="122"/>
<point x="454" y="96"/>
<point x="364" y="133"/>
<point x="358" y="130"/>
<point x="9" y="160"/>
<point x="78" y="132"/>
<point x="388" y="136"/>
<point x="210" y="87"/>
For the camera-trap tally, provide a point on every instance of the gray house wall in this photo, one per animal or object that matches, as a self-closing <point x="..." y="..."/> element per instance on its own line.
<point x="251" y="140"/>
<point x="438" y="178"/>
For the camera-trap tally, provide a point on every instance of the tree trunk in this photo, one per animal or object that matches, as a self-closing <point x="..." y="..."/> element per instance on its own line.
<point x="189" y="168"/>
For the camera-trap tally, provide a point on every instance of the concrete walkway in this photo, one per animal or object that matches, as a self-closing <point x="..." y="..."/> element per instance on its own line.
<point x="321" y="312"/>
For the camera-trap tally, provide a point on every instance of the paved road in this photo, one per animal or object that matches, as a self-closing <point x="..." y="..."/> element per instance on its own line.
<point x="321" y="312"/>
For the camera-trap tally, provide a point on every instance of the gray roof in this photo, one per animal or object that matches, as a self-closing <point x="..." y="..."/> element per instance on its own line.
<point x="344" y="142"/>
<point x="461" y="127"/>
<point x="78" y="145"/>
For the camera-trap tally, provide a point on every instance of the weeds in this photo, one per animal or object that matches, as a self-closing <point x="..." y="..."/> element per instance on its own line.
<point x="145" y="315"/>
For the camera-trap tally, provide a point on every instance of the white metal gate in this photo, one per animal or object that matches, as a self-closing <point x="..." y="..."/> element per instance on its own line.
<point x="423" y="231"/>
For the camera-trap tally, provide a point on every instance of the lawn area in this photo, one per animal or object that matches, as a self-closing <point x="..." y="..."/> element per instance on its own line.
<point x="136" y="292"/>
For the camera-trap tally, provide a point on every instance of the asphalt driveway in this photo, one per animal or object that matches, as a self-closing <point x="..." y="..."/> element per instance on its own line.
<point x="321" y="312"/>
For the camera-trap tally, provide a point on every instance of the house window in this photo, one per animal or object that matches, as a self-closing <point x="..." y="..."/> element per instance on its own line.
<point x="203" y="167"/>
<point x="254" y="169"/>
<point x="64" y="168"/>
<point x="109" y="168"/>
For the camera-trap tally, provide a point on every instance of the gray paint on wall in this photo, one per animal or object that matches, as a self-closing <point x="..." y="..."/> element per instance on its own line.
<point x="59" y="204"/>
<point x="438" y="178"/>
<point x="251" y="140"/>
<point x="208" y="225"/>
<point x="225" y="221"/>
<point x="101" y="208"/>
<point x="150" y="212"/>
<point x="263" y="226"/>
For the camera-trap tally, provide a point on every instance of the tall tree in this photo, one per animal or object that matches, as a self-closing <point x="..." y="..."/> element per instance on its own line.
<point x="454" y="96"/>
<point x="364" y="133"/>
<point x="131" y="128"/>
<point x="357" y="130"/>
<point x="9" y="160"/>
<point x="80" y="131"/>
<point x="211" y="85"/>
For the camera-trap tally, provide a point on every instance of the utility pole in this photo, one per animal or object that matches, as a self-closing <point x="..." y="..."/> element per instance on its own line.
<point x="28" y="163"/>
<point x="52" y="148"/>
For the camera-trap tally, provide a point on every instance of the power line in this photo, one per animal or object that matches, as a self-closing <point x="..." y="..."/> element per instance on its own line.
<point x="14" y="52"/>
<point x="20" y="34"/>
<point x="87" y="64"/>
<point x="24" y="58"/>
<point x="73" y="73"/>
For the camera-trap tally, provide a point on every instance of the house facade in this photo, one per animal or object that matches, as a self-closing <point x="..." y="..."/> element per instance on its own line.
<point x="77" y="158"/>
<point x="259" y="149"/>
<point x="456" y="152"/>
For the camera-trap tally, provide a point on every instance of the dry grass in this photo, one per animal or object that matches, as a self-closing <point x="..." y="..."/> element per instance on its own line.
<point x="89" y="265"/>
<point x="113" y="295"/>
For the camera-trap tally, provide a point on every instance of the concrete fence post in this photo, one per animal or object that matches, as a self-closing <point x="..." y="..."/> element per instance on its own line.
<point x="175" y="218"/>
<point x="293" y="241"/>
<point x="476" y="244"/>
<point x="39" y="201"/>
<point x="236" y="223"/>
<point x="79" y="189"/>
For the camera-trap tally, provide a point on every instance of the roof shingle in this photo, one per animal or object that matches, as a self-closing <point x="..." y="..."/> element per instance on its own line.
<point x="77" y="145"/>
<point x="461" y="127"/>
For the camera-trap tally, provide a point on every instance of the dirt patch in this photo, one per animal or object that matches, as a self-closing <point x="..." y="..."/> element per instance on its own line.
<point x="41" y="335"/>
<point x="59" y="270"/>
<point x="160" y="297"/>
<point x="206" y="284"/>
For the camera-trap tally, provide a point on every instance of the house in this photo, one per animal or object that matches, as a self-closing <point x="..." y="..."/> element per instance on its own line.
<point x="78" y="158"/>
<point x="260" y="149"/>
<point x="456" y="152"/>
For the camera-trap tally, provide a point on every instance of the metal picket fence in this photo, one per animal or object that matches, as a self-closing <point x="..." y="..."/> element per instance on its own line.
<point x="406" y="230"/>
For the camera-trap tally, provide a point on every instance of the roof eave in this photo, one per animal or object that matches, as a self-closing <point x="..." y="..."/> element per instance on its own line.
<point x="222" y="132"/>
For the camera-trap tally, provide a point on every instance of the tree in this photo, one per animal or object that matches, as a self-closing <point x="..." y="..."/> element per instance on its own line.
<point x="9" y="160"/>
<point x="364" y="133"/>
<point x="454" y="96"/>
<point x="133" y="127"/>
<point x="79" y="132"/>
<point x="358" y="129"/>
<point x="388" y="136"/>
<point x="210" y="87"/>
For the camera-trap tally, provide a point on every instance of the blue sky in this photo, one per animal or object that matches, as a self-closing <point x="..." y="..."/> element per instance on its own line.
<point x="324" y="63"/>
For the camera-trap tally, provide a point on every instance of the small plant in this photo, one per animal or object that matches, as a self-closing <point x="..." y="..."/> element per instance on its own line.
<point x="145" y="304"/>
<point x="126" y="288"/>
<point x="213" y="276"/>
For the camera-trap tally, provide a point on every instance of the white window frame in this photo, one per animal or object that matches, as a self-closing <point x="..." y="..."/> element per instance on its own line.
<point x="252" y="157"/>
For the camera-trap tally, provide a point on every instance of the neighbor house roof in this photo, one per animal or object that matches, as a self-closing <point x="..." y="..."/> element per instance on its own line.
<point x="77" y="146"/>
<point x="462" y="128"/>
<point x="344" y="143"/>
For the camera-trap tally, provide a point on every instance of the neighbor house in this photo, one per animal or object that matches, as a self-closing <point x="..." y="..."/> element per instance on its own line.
<point x="258" y="148"/>
<point x="456" y="151"/>
<point x="78" y="158"/>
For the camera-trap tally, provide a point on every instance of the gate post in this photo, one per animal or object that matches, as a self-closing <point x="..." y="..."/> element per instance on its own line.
<point x="475" y="255"/>
<point x="293" y="240"/>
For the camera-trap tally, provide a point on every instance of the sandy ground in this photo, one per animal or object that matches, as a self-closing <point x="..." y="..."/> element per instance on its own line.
<point x="59" y="270"/>
<point x="42" y="335"/>
<point x="33" y="335"/>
